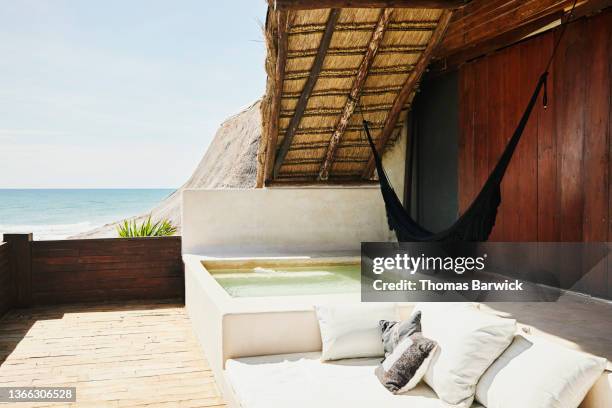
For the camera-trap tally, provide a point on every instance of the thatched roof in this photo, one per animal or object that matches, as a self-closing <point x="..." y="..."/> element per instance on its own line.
<point x="326" y="66"/>
<point x="327" y="70"/>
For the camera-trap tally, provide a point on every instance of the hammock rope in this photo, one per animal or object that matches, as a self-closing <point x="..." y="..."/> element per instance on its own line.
<point x="477" y="222"/>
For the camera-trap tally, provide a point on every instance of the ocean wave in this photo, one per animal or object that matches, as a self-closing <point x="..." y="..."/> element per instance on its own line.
<point x="50" y="231"/>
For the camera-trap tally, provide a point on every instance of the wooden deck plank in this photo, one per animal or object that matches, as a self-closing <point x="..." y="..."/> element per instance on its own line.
<point x="133" y="354"/>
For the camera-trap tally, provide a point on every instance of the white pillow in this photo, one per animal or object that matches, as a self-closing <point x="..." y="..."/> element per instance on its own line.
<point x="351" y="330"/>
<point x="469" y="340"/>
<point x="538" y="374"/>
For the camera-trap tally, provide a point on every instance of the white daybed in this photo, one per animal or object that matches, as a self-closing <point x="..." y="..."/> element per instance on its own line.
<point x="301" y="379"/>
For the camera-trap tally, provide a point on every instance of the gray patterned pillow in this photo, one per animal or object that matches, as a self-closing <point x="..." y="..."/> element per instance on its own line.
<point x="393" y="332"/>
<point x="404" y="368"/>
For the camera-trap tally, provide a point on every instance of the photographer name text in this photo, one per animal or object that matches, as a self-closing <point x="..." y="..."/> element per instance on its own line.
<point x="428" y="285"/>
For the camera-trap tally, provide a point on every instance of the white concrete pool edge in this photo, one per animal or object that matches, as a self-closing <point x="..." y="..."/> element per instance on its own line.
<point x="232" y="327"/>
<point x="215" y="313"/>
<point x="260" y="304"/>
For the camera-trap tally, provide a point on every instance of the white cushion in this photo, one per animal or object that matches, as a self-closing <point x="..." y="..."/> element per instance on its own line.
<point x="302" y="380"/>
<point x="469" y="340"/>
<point x="538" y="374"/>
<point x="352" y="330"/>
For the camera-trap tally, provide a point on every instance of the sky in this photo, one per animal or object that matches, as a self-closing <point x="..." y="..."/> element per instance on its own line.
<point x="121" y="93"/>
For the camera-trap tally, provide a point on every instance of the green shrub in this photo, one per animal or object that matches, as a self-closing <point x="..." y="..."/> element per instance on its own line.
<point x="161" y="228"/>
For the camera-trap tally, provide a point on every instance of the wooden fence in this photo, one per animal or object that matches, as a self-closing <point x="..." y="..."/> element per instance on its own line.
<point x="89" y="270"/>
<point x="6" y="281"/>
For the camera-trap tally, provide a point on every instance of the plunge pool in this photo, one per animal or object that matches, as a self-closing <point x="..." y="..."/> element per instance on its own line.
<point x="286" y="278"/>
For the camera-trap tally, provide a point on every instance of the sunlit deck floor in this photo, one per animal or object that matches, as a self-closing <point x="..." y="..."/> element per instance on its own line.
<point x="116" y="355"/>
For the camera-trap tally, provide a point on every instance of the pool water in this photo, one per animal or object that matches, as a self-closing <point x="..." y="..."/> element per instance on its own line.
<point x="289" y="280"/>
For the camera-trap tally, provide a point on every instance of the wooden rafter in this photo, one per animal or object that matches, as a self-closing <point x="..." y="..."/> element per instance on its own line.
<point x="355" y="93"/>
<point x="267" y="163"/>
<point x="307" y="182"/>
<point x="320" y="4"/>
<point x="402" y="97"/>
<point x="358" y="50"/>
<point x="308" y="87"/>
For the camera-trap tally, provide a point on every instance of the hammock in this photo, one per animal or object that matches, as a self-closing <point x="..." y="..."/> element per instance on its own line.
<point x="477" y="222"/>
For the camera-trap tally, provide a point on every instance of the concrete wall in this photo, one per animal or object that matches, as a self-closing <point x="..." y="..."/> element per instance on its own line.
<point x="282" y="219"/>
<point x="394" y="162"/>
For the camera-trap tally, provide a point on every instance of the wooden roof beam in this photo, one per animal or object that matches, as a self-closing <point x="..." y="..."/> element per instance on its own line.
<point x="355" y="93"/>
<point x="269" y="139"/>
<point x="446" y="59"/>
<point x="320" y="4"/>
<point x="300" y="107"/>
<point x="402" y="97"/>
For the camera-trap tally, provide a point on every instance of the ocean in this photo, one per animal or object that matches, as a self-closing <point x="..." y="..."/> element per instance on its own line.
<point x="61" y="213"/>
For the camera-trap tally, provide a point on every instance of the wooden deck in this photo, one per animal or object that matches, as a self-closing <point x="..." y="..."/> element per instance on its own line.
<point x="132" y="354"/>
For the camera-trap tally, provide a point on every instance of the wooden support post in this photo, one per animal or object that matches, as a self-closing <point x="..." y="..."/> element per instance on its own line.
<point x="20" y="262"/>
<point x="308" y="87"/>
<point x="355" y="93"/>
<point x="279" y="79"/>
<point x="276" y="33"/>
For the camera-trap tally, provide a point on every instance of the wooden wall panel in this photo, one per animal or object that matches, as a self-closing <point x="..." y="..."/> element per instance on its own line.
<point x="598" y="84"/>
<point x="609" y="56"/>
<point x="495" y="143"/>
<point x="7" y="289"/>
<point x="569" y="83"/>
<point x="596" y="163"/>
<point x="527" y="152"/>
<point x="557" y="187"/>
<point x="106" y="269"/>
<point x="466" y="149"/>
<point x="559" y="184"/>
<point x="511" y="113"/>
<point x="545" y="187"/>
